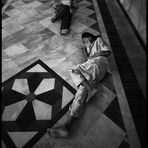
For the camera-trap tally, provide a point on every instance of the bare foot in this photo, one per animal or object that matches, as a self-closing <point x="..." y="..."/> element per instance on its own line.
<point x="58" y="132"/>
<point x="64" y="31"/>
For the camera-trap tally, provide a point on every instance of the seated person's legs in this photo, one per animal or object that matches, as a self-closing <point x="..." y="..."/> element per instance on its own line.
<point x="66" y="22"/>
<point x="76" y="111"/>
<point x="61" y="12"/>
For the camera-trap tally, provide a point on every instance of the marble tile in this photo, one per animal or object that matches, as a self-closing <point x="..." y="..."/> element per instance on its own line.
<point x="42" y="8"/>
<point x="28" y="11"/>
<point x="44" y="142"/>
<point x="88" y="21"/>
<point x="77" y="57"/>
<point x="54" y="63"/>
<point x="17" y="17"/>
<point x="4" y="33"/>
<point x="78" y="27"/>
<point x="37" y="68"/>
<point x="24" y="137"/>
<point x="33" y="27"/>
<point x="9" y="68"/>
<point x="21" y="86"/>
<point x="15" y="13"/>
<point x="104" y="97"/>
<point x="105" y="133"/>
<point x="91" y="31"/>
<point x="38" y="17"/>
<point x="48" y="12"/>
<point x="12" y="111"/>
<point x="17" y="4"/>
<point x="77" y="139"/>
<point x="45" y="85"/>
<point x="6" y="21"/>
<point x="13" y="27"/>
<point x="25" y="61"/>
<point x="66" y="97"/>
<point x="32" y="41"/>
<point x="4" y="16"/>
<point x="46" y="22"/>
<point x="78" y="16"/>
<point x="34" y="4"/>
<point x="46" y="34"/>
<point x="84" y="4"/>
<point x="15" y="50"/>
<point x="70" y="82"/>
<point x="62" y="69"/>
<point x="86" y="11"/>
<point x="42" y="110"/>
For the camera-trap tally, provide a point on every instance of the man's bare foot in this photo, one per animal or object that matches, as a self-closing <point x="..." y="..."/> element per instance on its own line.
<point x="58" y="132"/>
<point x="64" y="31"/>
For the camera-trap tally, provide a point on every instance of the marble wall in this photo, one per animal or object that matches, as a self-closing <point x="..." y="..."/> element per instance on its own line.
<point x="136" y="9"/>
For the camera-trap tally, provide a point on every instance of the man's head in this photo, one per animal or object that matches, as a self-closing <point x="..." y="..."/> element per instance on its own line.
<point x="88" y="38"/>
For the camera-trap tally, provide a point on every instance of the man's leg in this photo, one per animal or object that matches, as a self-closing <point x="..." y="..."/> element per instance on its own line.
<point x="76" y="111"/>
<point x="66" y="22"/>
<point x="61" y="13"/>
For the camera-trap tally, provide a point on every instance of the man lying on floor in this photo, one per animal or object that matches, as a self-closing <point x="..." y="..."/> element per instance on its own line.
<point x="63" y="10"/>
<point x="82" y="75"/>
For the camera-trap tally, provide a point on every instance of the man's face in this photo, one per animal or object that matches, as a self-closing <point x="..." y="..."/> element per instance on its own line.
<point x="86" y="42"/>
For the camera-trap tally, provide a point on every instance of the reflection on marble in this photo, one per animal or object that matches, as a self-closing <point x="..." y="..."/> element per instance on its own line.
<point x="11" y="112"/>
<point x="21" y="86"/>
<point x="15" y="49"/>
<point x="24" y="137"/>
<point x="105" y="133"/>
<point x="45" y="85"/>
<point x="42" y="110"/>
<point x="66" y="97"/>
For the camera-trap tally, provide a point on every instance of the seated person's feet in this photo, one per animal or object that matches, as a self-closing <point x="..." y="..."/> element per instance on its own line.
<point x="53" y="19"/>
<point x="59" y="132"/>
<point x="64" y="31"/>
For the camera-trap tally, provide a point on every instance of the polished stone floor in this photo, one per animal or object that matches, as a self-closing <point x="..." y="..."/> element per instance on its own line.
<point x="37" y="89"/>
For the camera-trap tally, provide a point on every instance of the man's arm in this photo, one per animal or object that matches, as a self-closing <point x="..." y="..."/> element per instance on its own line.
<point x="102" y="53"/>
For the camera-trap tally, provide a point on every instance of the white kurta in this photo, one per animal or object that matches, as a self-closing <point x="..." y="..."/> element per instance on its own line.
<point x="94" y="68"/>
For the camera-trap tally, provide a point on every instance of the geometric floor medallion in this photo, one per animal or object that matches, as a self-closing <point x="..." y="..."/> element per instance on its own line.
<point x="33" y="100"/>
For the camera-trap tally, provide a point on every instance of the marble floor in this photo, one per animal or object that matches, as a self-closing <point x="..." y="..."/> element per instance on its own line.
<point x="37" y="89"/>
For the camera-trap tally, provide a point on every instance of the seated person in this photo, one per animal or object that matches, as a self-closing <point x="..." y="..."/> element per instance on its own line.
<point x="63" y="10"/>
<point x="93" y="69"/>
